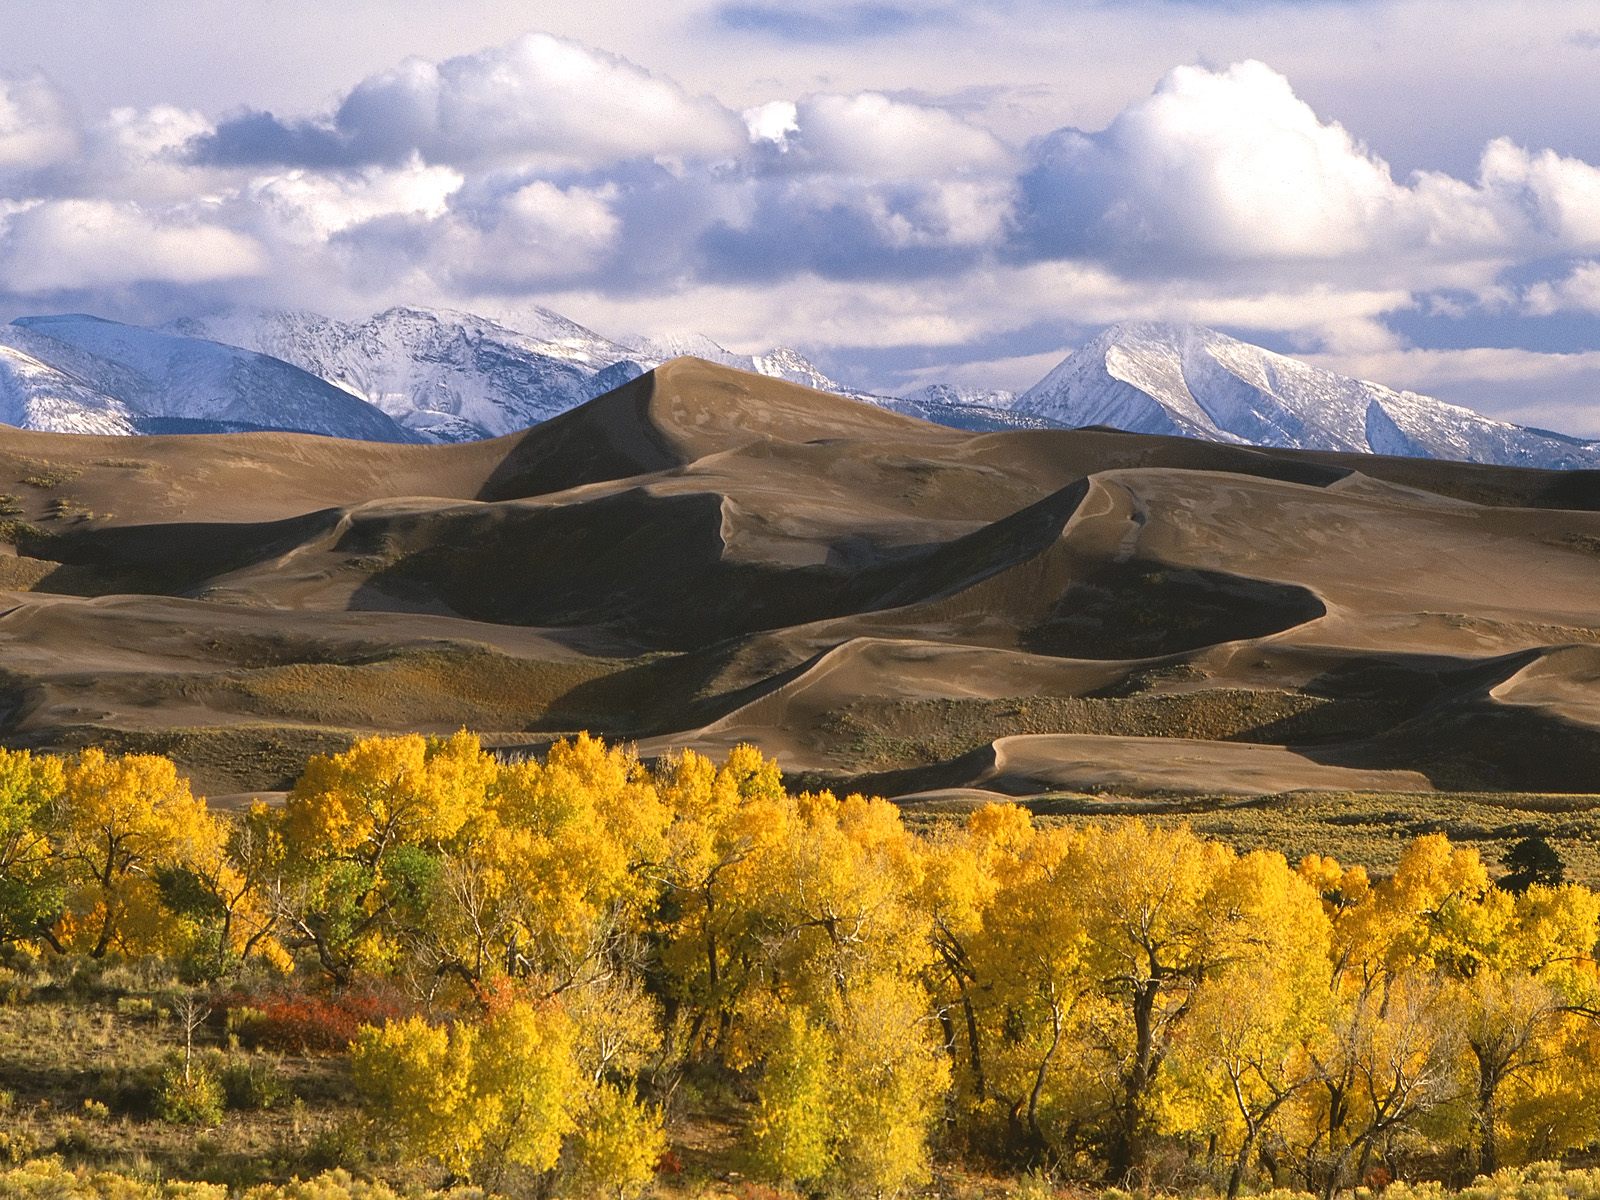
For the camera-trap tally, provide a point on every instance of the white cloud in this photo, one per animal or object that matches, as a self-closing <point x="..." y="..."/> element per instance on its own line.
<point x="545" y="170"/>
<point x="537" y="233"/>
<point x="772" y="122"/>
<point x="313" y="206"/>
<point x="62" y="245"/>
<point x="538" y="100"/>
<point x="37" y="126"/>
<point x="1236" y="162"/>
<point x="1224" y="171"/>
<point x="872" y="136"/>
<point x="1578" y="291"/>
<point x="1554" y="197"/>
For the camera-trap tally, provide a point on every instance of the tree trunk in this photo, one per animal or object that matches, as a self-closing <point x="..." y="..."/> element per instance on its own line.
<point x="1488" y="1122"/>
<point x="1039" y="1144"/>
<point x="980" y="1085"/>
<point x="1240" y="1162"/>
<point x="1127" y="1152"/>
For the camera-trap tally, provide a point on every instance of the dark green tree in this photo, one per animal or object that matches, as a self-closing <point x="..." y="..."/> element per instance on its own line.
<point x="1530" y="861"/>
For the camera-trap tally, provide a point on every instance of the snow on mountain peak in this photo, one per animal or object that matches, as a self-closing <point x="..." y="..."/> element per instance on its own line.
<point x="1196" y="382"/>
<point x="129" y="374"/>
<point x="954" y="394"/>
<point x="442" y="374"/>
<point x="425" y="374"/>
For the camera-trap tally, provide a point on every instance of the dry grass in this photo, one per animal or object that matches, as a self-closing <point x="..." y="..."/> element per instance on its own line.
<point x="78" y="1062"/>
<point x="464" y="685"/>
<point x="48" y="475"/>
<point x="1369" y="828"/>
<point x="879" y="735"/>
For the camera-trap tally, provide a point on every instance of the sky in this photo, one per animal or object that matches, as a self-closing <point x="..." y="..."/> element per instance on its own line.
<point x="910" y="191"/>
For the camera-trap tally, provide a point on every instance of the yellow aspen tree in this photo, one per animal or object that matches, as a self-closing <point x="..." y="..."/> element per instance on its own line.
<point x="848" y="1095"/>
<point x="364" y="831"/>
<point x="1152" y="931"/>
<point x="119" y="822"/>
<point x="1387" y="1062"/>
<point x="616" y="1145"/>
<point x="474" y="1097"/>
<point x="1030" y="984"/>
<point x="1246" y="1050"/>
<point x="571" y="845"/>
<point x="964" y="869"/>
<point x="721" y="816"/>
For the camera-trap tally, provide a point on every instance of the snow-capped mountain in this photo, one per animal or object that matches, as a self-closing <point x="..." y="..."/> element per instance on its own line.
<point x="418" y="374"/>
<point x="979" y="410"/>
<point x="453" y="376"/>
<point x="1196" y="382"/>
<point x="942" y="404"/>
<point x="35" y="395"/>
<point x="965" y="397"/>
<point x="445" y="376"/>
<point x="781" y="362"/>
<point x="82" y="374"/>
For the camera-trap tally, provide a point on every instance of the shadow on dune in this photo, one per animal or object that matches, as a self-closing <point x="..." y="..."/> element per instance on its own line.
<point x="1456" y="733"/>
<point x="609" y="438"/>
<point x="169" y="559"/>
<point x="1142" y="609"/>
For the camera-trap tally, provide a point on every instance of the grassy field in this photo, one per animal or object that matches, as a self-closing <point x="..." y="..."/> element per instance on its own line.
<point x="1369" y="828"/>
<point x="82" y="1050"/>
<point x="80" y="1061"/>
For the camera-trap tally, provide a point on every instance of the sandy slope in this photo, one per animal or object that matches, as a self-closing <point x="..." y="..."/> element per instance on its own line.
<point x="704" y="557"/>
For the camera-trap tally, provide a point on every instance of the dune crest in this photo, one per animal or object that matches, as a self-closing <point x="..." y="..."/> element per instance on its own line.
<point x="705" y="556"/>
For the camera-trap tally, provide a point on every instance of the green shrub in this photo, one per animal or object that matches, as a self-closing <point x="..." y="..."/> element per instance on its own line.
<point x="191" y="1096"/>
<point x="17" y="1146"/>
<point x="136" y="1006"/>
<point x="75" y="1138"/>
<point x="252" y="1085"/>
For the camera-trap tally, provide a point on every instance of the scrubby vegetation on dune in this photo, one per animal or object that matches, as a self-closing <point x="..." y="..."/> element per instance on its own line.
<point x="894" y="733"/>
<point x="582" y="976"/>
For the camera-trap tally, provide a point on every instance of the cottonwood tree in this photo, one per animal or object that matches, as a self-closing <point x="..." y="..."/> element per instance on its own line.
<point x="31" y="883"/>
<point x="118" y="824"/>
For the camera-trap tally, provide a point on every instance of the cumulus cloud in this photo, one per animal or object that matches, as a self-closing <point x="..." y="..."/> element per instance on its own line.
<point x="538" y="99"/>
<point x="69" y="245"/>
<point x="1228" y="164"/>
<point x="873" y="136"/>
<point x="1553" y="198"/>
<point x="549" y="171"/>
<point x="37" y="126"/>
<point x="528" y="237"/>
<point x="1223" y="171"/>
<point x="1576" y="292"/>
<point x="857" y="187"/>
<point x="311" y="206"/>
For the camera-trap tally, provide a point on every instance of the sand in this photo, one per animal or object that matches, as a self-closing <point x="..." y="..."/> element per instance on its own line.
<point x="705" y="557"/>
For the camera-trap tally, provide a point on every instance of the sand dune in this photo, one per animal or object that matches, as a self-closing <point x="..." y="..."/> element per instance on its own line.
<point x="705" y="557"/>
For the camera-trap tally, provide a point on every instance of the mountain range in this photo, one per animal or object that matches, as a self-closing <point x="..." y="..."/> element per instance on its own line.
<point x="1196" y="382"/>
<point x="412" y="374"/>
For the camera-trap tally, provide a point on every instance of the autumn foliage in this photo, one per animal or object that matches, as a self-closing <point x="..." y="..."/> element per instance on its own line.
<point x="583" y="941"/>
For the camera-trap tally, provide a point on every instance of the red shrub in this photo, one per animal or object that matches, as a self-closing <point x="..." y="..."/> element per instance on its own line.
<point x="307" y="1023"/>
